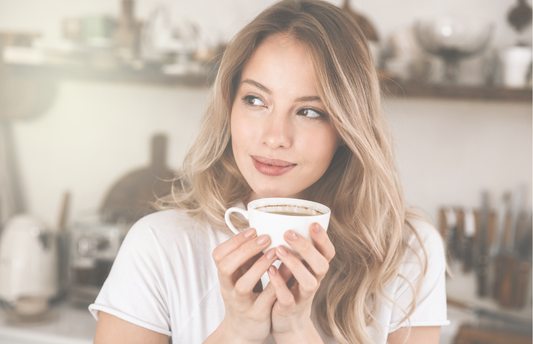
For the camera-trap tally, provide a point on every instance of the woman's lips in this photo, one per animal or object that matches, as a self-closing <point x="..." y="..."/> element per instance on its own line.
<point x="271" y="167"/>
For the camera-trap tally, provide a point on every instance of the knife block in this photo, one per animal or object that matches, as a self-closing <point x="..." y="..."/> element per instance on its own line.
<point x="509" y="274"/>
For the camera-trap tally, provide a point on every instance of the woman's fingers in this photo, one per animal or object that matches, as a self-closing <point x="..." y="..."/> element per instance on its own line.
<point x="246" y="283"/>
<point x="284" y="296"/>
<point x="322" y="242"/>
<point x="285" y="272"/>
<point x="232" y="244"/>
<point x="318" y="263"/>
<point x="238" y="257"/>
<point x="308" y="284"/>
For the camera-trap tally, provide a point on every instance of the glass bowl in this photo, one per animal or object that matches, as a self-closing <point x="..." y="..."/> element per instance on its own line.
<point x="452" y="39"/>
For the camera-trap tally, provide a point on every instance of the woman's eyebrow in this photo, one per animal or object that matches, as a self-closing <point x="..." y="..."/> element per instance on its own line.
<point x="309" y="99"/>
<point x="256" y="84"/>
<point x="265" y="89"/>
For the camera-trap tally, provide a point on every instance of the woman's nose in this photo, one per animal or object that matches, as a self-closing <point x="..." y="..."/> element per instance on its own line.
<point x="277" y="131"/>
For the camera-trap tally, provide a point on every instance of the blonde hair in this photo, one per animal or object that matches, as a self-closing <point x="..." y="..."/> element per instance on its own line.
<point x="361" y="186"/>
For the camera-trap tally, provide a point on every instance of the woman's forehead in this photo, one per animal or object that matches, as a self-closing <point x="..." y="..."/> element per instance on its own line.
<point x="279" y="62"/>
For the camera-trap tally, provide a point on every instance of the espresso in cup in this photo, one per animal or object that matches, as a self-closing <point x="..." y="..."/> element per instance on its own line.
<point x="290" y="210"/>
<point x="275" y="216"/>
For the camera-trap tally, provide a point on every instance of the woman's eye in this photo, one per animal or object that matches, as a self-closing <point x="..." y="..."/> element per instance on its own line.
<point x="254" y="101"/>
<point x="310" y="113"/>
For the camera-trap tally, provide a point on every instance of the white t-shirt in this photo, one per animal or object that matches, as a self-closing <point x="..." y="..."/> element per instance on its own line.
<point x="164" y="279"/>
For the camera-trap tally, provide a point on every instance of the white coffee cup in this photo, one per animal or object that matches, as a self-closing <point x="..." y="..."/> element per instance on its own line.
<point x="269" y="216"/>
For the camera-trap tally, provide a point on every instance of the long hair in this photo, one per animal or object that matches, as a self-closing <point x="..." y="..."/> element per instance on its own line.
<point x="361" y="185"/>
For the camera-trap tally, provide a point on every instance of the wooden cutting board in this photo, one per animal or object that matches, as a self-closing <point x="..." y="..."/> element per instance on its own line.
<point x="130" y="197"/>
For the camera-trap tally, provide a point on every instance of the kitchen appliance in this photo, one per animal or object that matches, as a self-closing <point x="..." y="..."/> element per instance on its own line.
<point x="453" y="39"/>
<point x="28" y="268"/>
<point x="94" y="246"/>
<point x="95" y="240"/>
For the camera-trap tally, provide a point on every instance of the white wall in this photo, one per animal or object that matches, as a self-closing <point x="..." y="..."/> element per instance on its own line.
<point x="448" y="151"/>
<point x="96" y="132"/>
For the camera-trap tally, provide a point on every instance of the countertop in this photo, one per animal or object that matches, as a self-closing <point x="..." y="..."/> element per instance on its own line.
<point x="68" y="325"/>
<point x="75" y="325"/>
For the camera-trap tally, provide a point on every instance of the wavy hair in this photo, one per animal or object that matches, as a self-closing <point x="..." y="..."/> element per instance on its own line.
<point x="361" y="185"/>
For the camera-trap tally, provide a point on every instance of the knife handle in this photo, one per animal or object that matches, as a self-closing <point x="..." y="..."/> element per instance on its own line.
<point x="506" y="298"/>
<point x="482" y="272"/>
<point x="498" y="276"/>
<point x="456" y="244"/>
<point x="468" y="254"/>
<point x="523" y="273"/>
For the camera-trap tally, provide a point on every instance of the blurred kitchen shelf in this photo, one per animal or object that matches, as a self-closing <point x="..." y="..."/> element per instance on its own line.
<point x="123" y="75"/>
<point x="390" y="87"/>
<point x="393" y="88"/>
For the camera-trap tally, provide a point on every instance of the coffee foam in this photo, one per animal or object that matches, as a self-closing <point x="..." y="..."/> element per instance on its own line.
<point x="285" y="208"/>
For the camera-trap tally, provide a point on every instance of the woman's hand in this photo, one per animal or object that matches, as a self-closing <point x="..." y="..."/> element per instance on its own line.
<point x="291" y="314"/>
<point x="240" y="265"/>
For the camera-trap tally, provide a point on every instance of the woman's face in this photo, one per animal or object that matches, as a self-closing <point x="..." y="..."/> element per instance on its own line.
<point x="282" y="139"/>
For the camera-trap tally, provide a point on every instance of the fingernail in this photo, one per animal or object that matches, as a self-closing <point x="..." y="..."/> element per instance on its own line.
<point x="272" y="270"/>
<point x="316" y="228"/>
<point x="282" y="250"/>
<point x="271" y="253"/>
<point x="250" y="232"/>
<point x="262" y="240"/>
<point x="291" y="235"/>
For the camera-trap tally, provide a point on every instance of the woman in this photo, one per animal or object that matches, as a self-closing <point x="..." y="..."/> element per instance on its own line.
<point x="295" y="112"/>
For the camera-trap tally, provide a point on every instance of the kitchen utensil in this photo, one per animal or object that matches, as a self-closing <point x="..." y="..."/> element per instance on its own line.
<point x="482" y="254"/>
<point x="128" y="31"/>
<point x="453" y="39"/>
<point x="468" y="239"/>
<point x="452" y="236"/>
<point x="63" y="244"/>
<point x="28" y="266"/>
<point x="524" y="262"/>
<point x="129" y="198"/>
<point x="366" y="26"/>
<point x="510" y="258"/>
<point x="520" y="16"/>
<point x="497" y="248"/>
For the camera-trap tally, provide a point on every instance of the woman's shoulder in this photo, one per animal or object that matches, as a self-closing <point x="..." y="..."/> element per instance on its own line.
<point x="165" y="218"/>
<point x="172" y="227"/>
<point x="421" y="235"/>
<point x="425" y="249"/>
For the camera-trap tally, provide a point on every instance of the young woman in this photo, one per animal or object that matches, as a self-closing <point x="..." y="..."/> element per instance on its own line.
<point x="295" y="112"/>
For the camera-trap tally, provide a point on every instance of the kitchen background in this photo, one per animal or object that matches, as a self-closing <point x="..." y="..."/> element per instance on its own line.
<point x="454" y="138"/>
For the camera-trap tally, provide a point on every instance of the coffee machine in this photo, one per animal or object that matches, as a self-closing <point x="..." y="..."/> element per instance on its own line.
<point x="93" y="248"/>
<point x="28" y="268"/>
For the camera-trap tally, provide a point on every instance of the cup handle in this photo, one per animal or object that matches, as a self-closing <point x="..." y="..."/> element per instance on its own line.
<point x="228" y="221"/>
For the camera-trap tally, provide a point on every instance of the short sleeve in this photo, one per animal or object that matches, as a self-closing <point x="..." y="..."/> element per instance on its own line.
<point x="430" y="306"/>
<point x="135" y="289"/>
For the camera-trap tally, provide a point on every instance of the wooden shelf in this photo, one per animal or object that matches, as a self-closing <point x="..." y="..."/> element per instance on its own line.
<point x="390" y="88"/>
<point x="454" y="92"/>
<point x="121" y="75"/>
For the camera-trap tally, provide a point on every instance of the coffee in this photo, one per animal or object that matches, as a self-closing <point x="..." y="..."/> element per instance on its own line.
<point x="290" y="210"/>
<point x="289" y="213"/>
